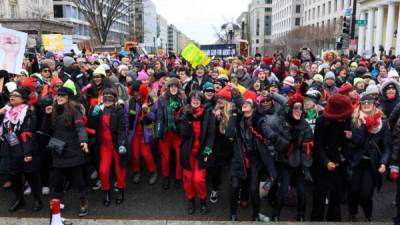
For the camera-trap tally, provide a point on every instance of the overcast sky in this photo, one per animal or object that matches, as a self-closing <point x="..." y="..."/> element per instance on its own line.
<point x="196" y="18"/>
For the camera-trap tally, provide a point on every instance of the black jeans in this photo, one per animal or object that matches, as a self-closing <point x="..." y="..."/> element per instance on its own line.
<point x="254" y="183"/>
<point x="280" y="190"/>
<point x="361" y="190"/>
<point x="75" y="174"/>
<point x="332" y="187"/>
<point x="33" y="179"/>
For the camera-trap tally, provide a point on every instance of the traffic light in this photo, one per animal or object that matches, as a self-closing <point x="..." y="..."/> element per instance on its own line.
<point x="339" y="43"/>
<point x="346" y="25"/>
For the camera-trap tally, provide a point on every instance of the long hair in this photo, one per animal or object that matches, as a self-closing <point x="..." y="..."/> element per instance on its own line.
<point x="67" y="114"/>
<point x="357" y="122"/>
<point x="226" y="115"/>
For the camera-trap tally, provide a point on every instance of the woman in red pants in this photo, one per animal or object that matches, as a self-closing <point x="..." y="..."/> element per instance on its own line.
<point x="198" y="134"/>
<point x="142" y="114"/>
<point x="110" y="123"/>
<point x="170" y="107"/>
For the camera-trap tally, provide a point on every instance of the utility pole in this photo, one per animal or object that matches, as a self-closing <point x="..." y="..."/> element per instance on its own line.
<point x="353" y="24"/>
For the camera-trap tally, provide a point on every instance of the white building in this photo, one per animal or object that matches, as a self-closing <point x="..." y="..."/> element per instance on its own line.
<point x="149" y="25"/>
<point x="382" y="29"/>
<point x="260" y="23"/>
<point x="66" y="11"/>
<point x="286" y="16"/>
<point x="162" y="33"/>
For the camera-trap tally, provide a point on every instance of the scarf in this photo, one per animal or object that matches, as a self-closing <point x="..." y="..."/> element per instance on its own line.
<point x="172" y="106"/>
<point x="373" y="123"/>
<point x="198" y="112"/>
<point x="311" y="114"/>
<point x="14" y="116"/>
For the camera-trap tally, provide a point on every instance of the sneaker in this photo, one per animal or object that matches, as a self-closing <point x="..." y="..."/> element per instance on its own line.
<point x="97" y="186"/>
<point x="45" y="190"/>
<point x="153" y="178"/>
<point x="263" y="218"/>
<point x="94" y="175"/>
<point x="28" y="191"/>
<point x="83" y="208"/>
<point x="62" y="206"/>
<point x="136" y="178"/>
<point x="214" y="197"/>
<point x="116" y="189"/>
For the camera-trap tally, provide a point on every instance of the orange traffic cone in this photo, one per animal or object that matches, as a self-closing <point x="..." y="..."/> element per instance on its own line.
<point x="55" y="217"/>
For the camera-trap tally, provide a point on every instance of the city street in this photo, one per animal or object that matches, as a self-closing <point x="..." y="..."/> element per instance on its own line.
<point x="144" y="202"/>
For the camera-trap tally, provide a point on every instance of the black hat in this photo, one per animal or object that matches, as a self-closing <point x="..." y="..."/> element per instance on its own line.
<point x="257" y="55"/>
<point x="367" y="98"/>
<point x="136" y="85"/>
<point x="160" y="74"/>
<point x="65" y="91"/>
<point x="44" y="66"/>
<point x="197" y="95"/>
<point x="221" y="81"/>
<point x="24" y="92"/>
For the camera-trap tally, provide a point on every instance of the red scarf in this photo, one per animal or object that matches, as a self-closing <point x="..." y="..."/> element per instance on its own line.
<point x="373" y="122"/>
<point x="198" y="112"/>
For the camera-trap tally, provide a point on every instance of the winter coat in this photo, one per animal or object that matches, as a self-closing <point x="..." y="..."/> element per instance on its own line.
<point x="245" y="81"/>
<point x="330" y="145"/>
<point x="162" y="115"/>
<point x="135" y="111"/>
<point x="73" y="135"/>
<point x="377" y="147"/>
<point x="12" y="158"/>
<point x="238" y="131"/>
<point x="118" y="129"/>
<point x="76" y="76"/>
<point x="197" y="84"/>
<point x="388" y="106"/>
<point x="207" y="137"/>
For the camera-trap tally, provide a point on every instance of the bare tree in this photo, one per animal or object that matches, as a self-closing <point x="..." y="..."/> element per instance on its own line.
<point x="102" y="14"/>
<point x="40" y="14"/>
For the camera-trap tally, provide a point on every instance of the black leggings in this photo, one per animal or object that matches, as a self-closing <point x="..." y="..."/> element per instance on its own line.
<point x="33" y="179"/>
<point x="75" y="174"/>
<point x="361" y="190"/>
<point x="254" y="181"/>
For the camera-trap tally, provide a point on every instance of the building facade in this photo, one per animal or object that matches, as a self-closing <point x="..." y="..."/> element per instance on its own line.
<point x="34" y="17"/>
<point x="260" y="25"/>
<point x="162" y="33"/>
<point x="383" y="26"/>
<point x="67" y="12"/>
<point x="287" y="15"/>
<point x="324" y="19"/>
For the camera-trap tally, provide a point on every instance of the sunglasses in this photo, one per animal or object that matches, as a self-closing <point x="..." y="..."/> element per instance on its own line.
<point x="46" y="71"/>
<point x="108" y="98"/>
<point x="210" y="91"/>
<point x="15" y="95"/>
<point x="367" y="102"/>
<point x="96" y="77"/>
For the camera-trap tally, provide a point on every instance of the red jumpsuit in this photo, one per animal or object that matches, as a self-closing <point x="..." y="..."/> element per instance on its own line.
<point x="194" y="181"/>
<point x="174" y="139"/>
<point x="107" y="154"/>
<point x="138" y="148"/>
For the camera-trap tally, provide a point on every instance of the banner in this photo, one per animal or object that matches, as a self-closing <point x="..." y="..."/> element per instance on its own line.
<point x="67" y="43"/>
<point x="53" y="42"/>
<point x="195" y="56"/>
<point x="12" y="49"/>
<point x="219" y="50"/>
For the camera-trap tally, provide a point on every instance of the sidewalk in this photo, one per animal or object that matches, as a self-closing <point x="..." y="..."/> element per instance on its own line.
<point x="41" y="221"/>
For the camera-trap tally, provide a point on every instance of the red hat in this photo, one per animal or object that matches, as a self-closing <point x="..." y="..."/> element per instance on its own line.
<point x="363" y="63"/>
<point x="295" y="98"/>
<point x="29" y="83"/>
<point x="345" y="89"/>
<point x="339" y="108"/>
<point x="296" y="62"/>
<point x="267" y="60"/>
<point x="144" y="91"/>
<point x="225" y="93"/>
<point x="249" y="61"/>
<point x="250" y="95"/>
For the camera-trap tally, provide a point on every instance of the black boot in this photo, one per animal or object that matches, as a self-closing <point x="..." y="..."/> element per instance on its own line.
<point x="233" y="217"/>
<point x="120" y="196"/>
<point x="106" y="198"/>
<point x="300" y="218"/>
<point x="165" y="183"/>
<point x="83" y="208"/>
<point x="203" y="207"/>
<point x="191" y="207"/>
<point x="178" y="183"/>
<point x="17" y="204"/>
<point x="37" y="202"/>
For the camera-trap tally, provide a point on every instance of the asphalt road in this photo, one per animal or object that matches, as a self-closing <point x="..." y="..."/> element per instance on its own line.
<point x="152" y="202"/>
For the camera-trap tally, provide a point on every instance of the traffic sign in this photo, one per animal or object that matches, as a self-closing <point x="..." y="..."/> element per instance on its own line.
<point x="362" y="23"/>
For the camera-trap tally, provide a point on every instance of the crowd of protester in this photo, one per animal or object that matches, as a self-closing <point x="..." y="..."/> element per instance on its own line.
<point x="327" y="126"/>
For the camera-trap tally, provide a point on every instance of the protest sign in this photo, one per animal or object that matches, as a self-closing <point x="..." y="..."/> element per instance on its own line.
<point x="12" y="49"/>
<point x="195" y="56"/>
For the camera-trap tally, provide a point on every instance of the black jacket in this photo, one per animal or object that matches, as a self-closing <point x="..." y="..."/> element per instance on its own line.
<point x="207" y="137"/>
<point x="73" y="135"/>
<point x="118" y="129"/>
<point x="12" y="158"/>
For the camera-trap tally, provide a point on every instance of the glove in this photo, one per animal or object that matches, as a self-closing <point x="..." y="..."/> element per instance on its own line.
<point x="394" y="172"/>
<point x="96" y="110"/>
<point x="207" y="151"/>
<point x="121" y="149"/>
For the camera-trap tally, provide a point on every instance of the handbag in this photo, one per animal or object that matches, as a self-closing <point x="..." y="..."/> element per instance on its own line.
<point x="56" y="145"/>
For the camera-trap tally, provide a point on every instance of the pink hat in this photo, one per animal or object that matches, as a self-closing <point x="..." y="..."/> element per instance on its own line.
<point x="143" y="76"/>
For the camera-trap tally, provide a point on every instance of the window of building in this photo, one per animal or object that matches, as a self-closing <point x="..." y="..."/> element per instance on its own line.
<point x="268" y="9"/>
<point x="58" y="11"/>
<point x="329" y="7"/>
<point x="257" y="41"/>
<point x="319" y="10"/>
<point x="323" y="9"/>
<point x="2" y="4"/>
<point x="267" y="25"/>
<point x="298" y="8"/>
<point x="13" y="11"/>
<point x="335" y="8"/>
<point x="313" y="13"/>
<point x="297" y="21"/>
<point x="258" y="26"/>
<point x="268" y="1"/>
